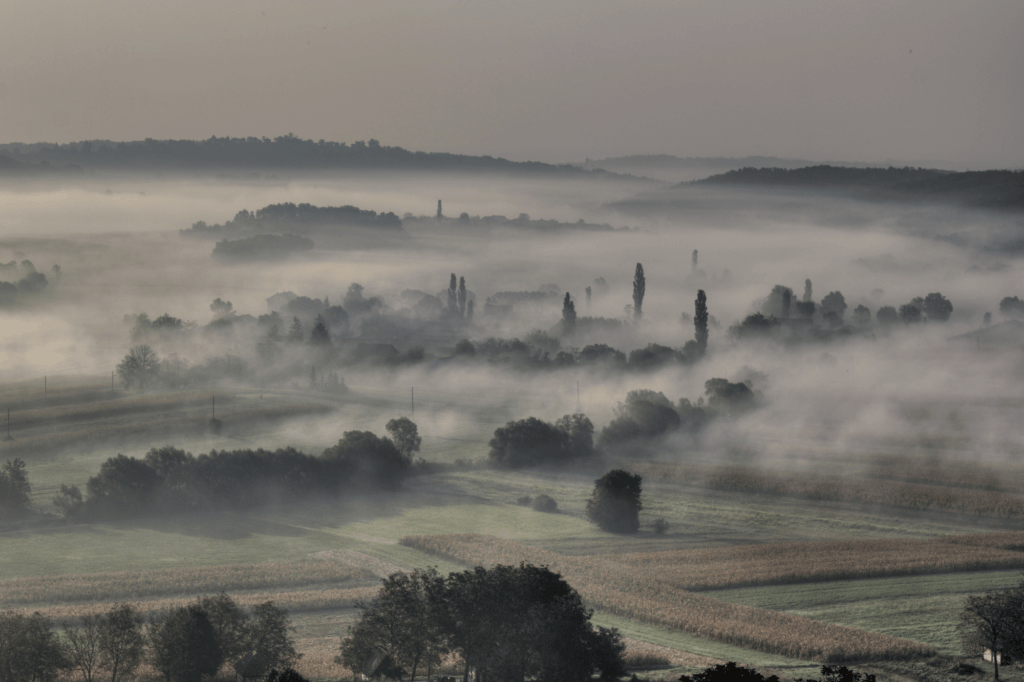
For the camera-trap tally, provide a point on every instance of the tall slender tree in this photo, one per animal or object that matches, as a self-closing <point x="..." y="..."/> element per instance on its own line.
<point x="693" y="265"/>
<point x="700" y="321"/>
<point x="807" y="290"/>
<point x="568" y="314"/>
<point x="462" y="296"/>
<point x="453" y="298"/>
<point x="639" y="287"/>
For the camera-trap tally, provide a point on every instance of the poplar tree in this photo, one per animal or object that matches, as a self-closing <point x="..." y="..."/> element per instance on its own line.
<point x="462" y="296"/>
<point x="639" y="286"/>
<point x="568" y="314"/>
<point x="700" y="321"/>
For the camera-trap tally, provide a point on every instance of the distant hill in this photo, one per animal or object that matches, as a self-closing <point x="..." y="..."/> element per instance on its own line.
<point x="670" y="168"/>
<point x="1000" y="189"/>
<point x="226" y="154"/>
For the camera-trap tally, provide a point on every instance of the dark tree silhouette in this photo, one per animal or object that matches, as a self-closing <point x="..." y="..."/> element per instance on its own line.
<point x="295" y="334"/>
<point x="568" y="314"/>
<point x="728" y="672"/>
<point x="700" y="322"/>
<point x="1012" y="307"/>
<point x="453" y="296"/>
<point x="639" y="288"/>
<point x="834" y="304"/>
<point x="320" y="335"/>
<point x="121" y="641"/>
<point x="986" y="319"/>
<point x="82" y="646"/>
<point x="462" y="296"/>
<point x="993" y="621"/>
<point x="30" y="649"/>
<point x="184" y="646"/>
<point x="14" y="489"/>
<point x="405" y="435"/>
<point x="615" y="503"/>
<point x="887" y="316"/>
<point x="589" y="294"/>
<point x="693" y="263"/>
<point x="910" y="313"/>
<point x="139" y="367"/>
<point x="861" y="315"/>
<point x="808" y="292"/>
<point x="937" y="308"/>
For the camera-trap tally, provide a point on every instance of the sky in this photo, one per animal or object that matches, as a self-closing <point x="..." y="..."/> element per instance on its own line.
<point x="929" y="82"/>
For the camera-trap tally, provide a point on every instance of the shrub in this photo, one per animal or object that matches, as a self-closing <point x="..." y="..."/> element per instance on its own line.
<point x="544" y="503"/>
<point x="660" y="526"/>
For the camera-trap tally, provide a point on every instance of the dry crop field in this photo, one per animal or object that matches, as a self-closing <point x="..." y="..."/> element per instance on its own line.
<point x="648" y="587"/>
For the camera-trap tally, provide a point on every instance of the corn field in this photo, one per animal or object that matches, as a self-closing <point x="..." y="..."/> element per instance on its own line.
<point x="135" y="585"/>
<point x="639" y="593"/>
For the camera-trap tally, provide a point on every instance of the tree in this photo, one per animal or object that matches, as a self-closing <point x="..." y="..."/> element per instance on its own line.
<point x="615" y="503"/>
<point x="405" y="435"/>
<point x="30" y="650"/>
<point x="68" y="501"/>
<point x="123" y="485"/>
<point x="82" y="646"/>
<point x="1012" y="307"/>
<point x="184" y="645"/>
<point x="230" y="625"/>
<point x="993" y="621"/>
<point x="862" y="315"/>
<point x="398" y="623"/>
<point x="366" y="455"/>
<point x="221" y="309"/>
<point x="453" y="297"/>
<point x="729" y="672"/>
<point x="527" y="442"/>
<point x="320" y="335"/>
<point x="568" y="314"/>
<point x="808" y="292"/>
<point x="887" y="316"/>
<point x="138" y="367"/>
<point x="14" y="489"/>
<point x="515" y="622"/>
<point x="937" y="307"/>
<point x="833" y="306"/>
<point x="841" y="674"/>
<point x="295" y="334"/>
<point x="589" y="295"/>
<point x="121" y="641"/>
<point x="728" y="396"/>
<point x="910" y="313"/>
<point x="580" y="432"/>
<point x="269" y="633"/>
<point x="462" y="296"/>
<point x="778" y="302"/>
<point x="700" y="321"/>
<point x="639" y="288"/>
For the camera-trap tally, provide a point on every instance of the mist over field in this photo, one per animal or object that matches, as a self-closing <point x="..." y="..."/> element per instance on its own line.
<point x="116" y="241"/>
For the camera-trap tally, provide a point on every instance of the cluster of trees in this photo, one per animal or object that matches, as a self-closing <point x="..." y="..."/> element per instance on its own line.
<point x="31" y="281"/>
<point x="507" y="624"/>
<point x="779" y="308"/>
<point x="142" y="367"/>
<point x="185" y="643"/>
<point x="1012" y="307"/>
<point x="262" y="247"/>
<point x="301" y="218"/>
<point x="730" y="672"/>
<point x="533" y="442"/>
<point x="615" y="503"/>
<point x="14" y="489"/>
<point x="647" y="415"/>
<point x="540" y="352"/>
<point x="169" y="479"/>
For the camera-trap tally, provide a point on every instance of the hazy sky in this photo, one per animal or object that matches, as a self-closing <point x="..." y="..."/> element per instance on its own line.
<point x="925" y="81"/>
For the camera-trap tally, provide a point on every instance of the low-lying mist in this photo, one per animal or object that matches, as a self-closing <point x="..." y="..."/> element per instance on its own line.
<point x="873" y="391"/>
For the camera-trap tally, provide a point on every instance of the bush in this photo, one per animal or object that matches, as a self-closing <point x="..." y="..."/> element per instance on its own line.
<point x="524" y="501"/>
<point x="544" y="503"/>
<point x="660" y="526"/>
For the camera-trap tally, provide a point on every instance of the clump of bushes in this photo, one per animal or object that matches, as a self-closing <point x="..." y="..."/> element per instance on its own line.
<point x="544" y="503"/>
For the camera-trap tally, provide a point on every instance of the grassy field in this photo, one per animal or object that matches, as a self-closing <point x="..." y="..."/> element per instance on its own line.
<point x="363" y="530"/>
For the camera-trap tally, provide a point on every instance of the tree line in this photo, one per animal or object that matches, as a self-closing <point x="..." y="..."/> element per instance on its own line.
<point x="184" y="643"/>
<point x="169" y="479"/>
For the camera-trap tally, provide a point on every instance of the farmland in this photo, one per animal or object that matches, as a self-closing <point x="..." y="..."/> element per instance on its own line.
<point x="777" y="579"/>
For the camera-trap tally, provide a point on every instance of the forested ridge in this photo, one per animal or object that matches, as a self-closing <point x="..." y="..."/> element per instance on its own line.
<point x="989" y="189"/>
<point x="286" y="152"/>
